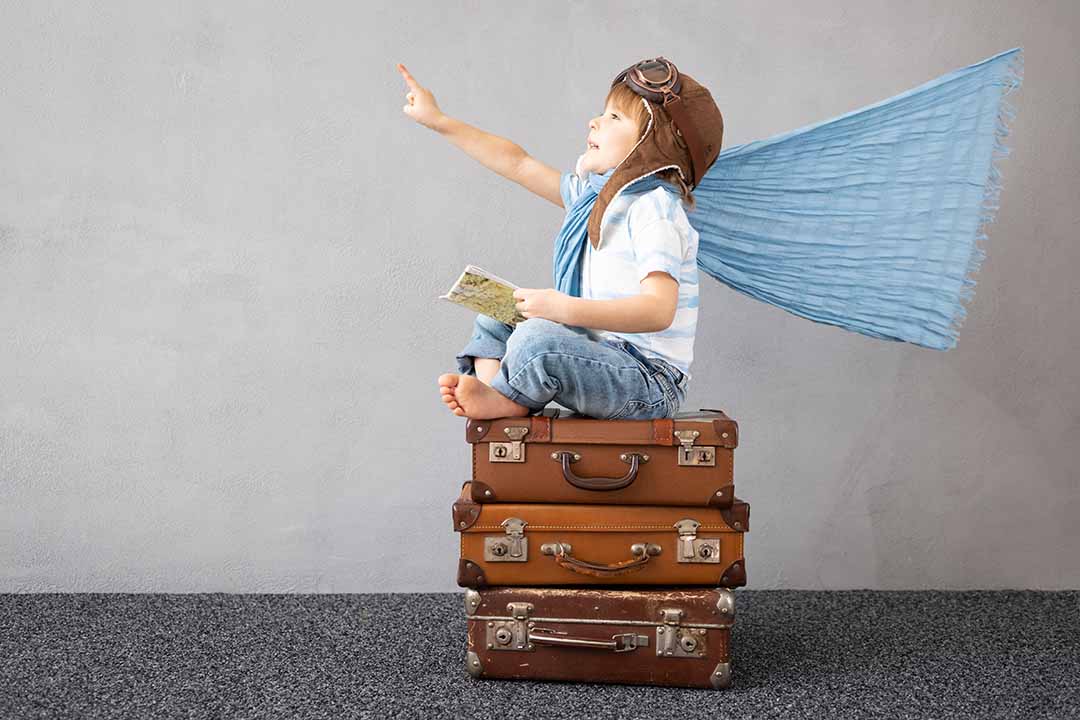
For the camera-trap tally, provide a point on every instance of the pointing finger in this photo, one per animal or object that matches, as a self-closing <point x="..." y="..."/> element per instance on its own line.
<point x="409" y="80"/>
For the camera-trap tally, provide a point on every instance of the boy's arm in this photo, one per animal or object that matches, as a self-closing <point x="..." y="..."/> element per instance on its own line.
<point x="493" y="152"/>
<point x="652" y="310"/>
<point x="503" y="157"/>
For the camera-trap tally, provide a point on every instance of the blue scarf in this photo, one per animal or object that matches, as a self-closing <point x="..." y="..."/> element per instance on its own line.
<point x="574" y="234"/>
<point x="869" y="221"/>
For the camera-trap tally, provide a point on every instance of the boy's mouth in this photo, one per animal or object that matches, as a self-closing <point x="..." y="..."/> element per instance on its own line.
<point x="593" y="146"/>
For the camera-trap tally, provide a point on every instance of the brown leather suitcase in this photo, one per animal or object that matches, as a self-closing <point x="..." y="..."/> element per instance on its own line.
<point x="685" y="460"/>
<point x="671" y="637"/>
<point x="530" y="544"/>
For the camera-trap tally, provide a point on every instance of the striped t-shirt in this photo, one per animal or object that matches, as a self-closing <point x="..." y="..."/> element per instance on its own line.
<point x="642" y="233"/>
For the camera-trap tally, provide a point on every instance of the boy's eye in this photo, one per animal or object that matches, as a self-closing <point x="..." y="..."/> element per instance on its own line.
<point x="614" y="116"/>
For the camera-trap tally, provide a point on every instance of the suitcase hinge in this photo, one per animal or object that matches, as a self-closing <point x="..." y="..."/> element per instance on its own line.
<point x="512" y="633"/>
<point x="513" y="451"/>
<point x="675" y="641"/>
<point x="511" y="547"/>
<point x="693" y="549"/>
<point x="694" y="455"/>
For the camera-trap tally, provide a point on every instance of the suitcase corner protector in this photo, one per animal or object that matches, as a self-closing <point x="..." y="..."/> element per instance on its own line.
<point x="473" y="666"/>
<point x="721" y="676"/>
<point x="723" y="497"/>
<point x="475" y="430"/>
<point x="470" y="574"/>
<point x="734" y="575"/>
<point x="482" y="492"/>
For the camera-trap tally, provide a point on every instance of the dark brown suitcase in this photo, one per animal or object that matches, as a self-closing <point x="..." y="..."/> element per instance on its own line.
<point x="685" y="460"/>
<point x="677" y="638"/>
<point x="530" y="544"/>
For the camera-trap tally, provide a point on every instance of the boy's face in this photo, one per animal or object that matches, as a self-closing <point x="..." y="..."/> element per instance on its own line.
<point x="612" y="135"/>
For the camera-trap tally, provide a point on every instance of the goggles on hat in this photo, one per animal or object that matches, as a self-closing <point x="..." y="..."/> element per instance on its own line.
<point x="657" y="79"/>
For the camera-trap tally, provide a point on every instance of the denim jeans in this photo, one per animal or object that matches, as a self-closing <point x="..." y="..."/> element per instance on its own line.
<point x="544" y="361"/>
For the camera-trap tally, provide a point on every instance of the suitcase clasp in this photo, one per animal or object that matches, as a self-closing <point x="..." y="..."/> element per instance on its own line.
<point x="675" y="641"/>
<point x="513" y="451"/>
<point x="689" y="454"/>
<point x="693" y="549"/>
<point x="512" y="547"/>
<point x="511" y="633"/>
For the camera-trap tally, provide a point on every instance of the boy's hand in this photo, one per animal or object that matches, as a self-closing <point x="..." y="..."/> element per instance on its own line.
<point x="421" y="105"/>
<point x="548" y="303"/>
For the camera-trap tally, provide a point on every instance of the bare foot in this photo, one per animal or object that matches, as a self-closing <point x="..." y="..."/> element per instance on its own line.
<point x="466" y="396"/>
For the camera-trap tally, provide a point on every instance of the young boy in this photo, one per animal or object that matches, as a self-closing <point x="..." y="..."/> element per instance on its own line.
<point x="616" y="341"/>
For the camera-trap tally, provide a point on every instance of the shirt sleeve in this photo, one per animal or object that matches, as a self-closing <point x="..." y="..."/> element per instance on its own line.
<point x="658" y="245"/>
<point x="570" y="187"/>
<point x="658" y="242"/>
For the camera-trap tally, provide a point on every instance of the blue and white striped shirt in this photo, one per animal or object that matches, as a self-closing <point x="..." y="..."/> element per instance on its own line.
<point x="642" y="233"/>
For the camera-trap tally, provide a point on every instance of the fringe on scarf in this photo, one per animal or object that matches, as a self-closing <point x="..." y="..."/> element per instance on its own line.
<point x="1012" y="79"/>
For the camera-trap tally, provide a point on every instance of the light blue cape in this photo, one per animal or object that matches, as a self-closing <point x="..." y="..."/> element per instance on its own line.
<point x="870" y="221"/>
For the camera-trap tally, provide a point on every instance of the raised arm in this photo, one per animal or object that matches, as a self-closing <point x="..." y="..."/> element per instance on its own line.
<point x="493" y="152"/>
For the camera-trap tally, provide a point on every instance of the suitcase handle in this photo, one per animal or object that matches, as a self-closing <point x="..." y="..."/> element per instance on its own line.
<point x="617" y="643"/>
<point x="642" y="553"/>
<point x="599" y="483"/>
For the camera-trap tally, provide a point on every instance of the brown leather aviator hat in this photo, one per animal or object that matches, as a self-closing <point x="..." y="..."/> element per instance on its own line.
<point x="685" y="130"/>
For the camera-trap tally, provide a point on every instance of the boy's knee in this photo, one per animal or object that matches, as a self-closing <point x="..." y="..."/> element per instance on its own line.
<point x="541" y="326"/>
<point x="535" y="334"/>
<point x="485" y="326"/>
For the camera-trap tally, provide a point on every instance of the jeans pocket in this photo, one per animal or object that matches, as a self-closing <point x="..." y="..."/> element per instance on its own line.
<point x="672" y="396"/>
<point x="641" y="410"/>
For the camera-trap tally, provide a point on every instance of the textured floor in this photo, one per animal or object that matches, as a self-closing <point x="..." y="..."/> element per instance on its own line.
<point x="823" y="655"/>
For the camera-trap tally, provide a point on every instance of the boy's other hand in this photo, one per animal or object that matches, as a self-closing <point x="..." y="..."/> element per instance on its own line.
<point x="547" y="303"/>
<point x="421" y="105"/>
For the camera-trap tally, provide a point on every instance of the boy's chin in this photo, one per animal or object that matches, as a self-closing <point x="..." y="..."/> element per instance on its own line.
<point x="599" y="169"/>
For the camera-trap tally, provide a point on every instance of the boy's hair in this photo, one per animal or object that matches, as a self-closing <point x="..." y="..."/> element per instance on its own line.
<point x="629" y="102"/>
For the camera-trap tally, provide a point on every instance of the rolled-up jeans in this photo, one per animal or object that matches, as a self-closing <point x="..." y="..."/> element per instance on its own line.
<point x="544" y="361"/>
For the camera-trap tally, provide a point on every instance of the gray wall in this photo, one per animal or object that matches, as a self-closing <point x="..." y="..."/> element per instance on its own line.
<point x="221" y="243"/>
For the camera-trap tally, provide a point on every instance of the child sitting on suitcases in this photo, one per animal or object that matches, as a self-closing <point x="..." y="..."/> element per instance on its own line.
<point x="614" y="339"/>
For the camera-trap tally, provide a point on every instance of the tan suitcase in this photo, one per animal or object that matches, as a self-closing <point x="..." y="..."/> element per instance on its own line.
<point x="671" y="637"/>
<point x="550" y="544"/>
<point x="685" y="460"/>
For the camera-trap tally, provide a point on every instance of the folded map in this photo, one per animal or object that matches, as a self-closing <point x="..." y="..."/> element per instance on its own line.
<point x="487" y="294"/>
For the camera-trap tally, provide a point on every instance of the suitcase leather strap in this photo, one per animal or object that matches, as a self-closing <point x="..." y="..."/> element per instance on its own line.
<point x="663" y="431"/>
<point x="642" y="553"/>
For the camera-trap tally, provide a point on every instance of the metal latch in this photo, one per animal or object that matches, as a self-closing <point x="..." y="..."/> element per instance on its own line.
<point x="689" y="454"/>
<point x="673" y="640"/>
<point x="512" y="633"/>
<point x="693" y="549"/>
<point x="512" y="547"/>
<point x="513" y="451"/>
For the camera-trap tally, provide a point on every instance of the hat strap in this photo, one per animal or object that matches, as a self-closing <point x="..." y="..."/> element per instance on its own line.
<point x="685" y="127"/>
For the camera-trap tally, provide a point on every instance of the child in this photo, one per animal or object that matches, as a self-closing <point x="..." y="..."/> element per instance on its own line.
<point x="615" y="340"/>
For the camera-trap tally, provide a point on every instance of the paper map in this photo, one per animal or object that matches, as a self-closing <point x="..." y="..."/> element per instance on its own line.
<point x="487" y="294"/>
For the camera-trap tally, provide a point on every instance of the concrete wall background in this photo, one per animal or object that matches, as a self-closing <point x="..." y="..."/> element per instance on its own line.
<point x="221" y="242"/>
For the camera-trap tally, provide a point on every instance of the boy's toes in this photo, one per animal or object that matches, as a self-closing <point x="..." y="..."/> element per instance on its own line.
<point x="448" y="380"/>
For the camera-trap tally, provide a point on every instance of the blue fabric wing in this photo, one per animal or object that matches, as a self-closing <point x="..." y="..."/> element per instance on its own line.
<point x="870" y="221"/>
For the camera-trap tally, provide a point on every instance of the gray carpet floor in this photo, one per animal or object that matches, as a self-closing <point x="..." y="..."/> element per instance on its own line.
<point x="823" y="655"/>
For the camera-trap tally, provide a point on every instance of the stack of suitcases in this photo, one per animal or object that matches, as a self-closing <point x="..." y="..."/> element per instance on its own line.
<point x="602" y="550"/>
